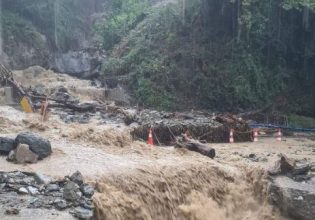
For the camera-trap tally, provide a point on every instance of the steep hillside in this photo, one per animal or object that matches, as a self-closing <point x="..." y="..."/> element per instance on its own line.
<point x="50" y="33"/>
<point x="219" y="55"/>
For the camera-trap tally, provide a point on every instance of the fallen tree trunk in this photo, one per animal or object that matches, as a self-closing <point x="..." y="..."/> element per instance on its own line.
<point x="197" y="147"/>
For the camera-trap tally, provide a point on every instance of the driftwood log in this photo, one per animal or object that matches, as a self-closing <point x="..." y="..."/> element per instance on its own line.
<point x="196" y="146"/>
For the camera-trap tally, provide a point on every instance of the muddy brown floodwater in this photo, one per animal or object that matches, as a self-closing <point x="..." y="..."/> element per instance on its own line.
<point x="137" y="181"/>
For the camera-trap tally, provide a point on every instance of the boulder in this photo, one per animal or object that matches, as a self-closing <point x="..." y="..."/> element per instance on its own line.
<point x="77" y="178"/>
<point x="71" y="192"/>
<point x="37" y="145"/>
<point x="296" y="200"/>
<point x="87" y="190"/>
<point x="23" y="154"/>
<point x="282" y="166"/>
<point x="6" y="145"/>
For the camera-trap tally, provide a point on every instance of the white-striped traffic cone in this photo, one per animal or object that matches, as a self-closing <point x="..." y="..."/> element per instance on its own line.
<point x="231" y="136"/>
<point x="279" y="135"/>
<point x="255" y="135"/>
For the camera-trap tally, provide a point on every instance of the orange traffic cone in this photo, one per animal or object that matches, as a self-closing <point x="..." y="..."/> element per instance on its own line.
<point x="231" y="136"/>
<point x="255" y="135"/>
<point x="150" y="138"/>
<point x="279" y="135"/>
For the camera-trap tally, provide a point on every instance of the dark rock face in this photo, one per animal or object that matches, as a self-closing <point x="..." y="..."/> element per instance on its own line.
<point x="6" y="145"/>
<point x="85" y="64"/>
<point x="294" y="199"/>
<point x="38" y="145"/>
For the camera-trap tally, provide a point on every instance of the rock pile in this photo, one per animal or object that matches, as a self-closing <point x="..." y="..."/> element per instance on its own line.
<point x="292" y="188"/>
<point x="25" y="148"/>
<point x="70" y="193"/>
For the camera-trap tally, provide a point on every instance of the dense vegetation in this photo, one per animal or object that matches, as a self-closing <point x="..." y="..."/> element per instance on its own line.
<point x="226" y="55"/>
<point x="221" y="54"/>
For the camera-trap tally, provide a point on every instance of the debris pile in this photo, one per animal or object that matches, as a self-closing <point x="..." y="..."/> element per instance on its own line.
<point x="25" y="148"/>
<point x="202" y="126"/>
<point x="35" y="191"/>
<point x="292" y="188"/>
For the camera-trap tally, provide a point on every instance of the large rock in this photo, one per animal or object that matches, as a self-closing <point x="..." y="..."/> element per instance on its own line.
<point x="6" y="145"/>
<point x="77" y="178"/>
<point x="38" y="145"/>
<point x="81" y="63"/>
<point x="24" y="155"/>
<point x="297" y="200"/>
<point x="72" y="192"/>
<point x="282" y="166"/>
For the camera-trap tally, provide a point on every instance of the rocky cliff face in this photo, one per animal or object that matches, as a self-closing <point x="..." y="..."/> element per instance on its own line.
<point x="53" y="34"/>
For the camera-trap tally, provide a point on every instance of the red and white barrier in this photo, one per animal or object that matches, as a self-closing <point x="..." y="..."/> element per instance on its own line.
<point x="231" y="136"/>
<point x="279" y="135"/>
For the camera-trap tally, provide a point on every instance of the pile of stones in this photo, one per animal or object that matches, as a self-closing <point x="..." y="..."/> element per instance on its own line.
<point x="43" y="192"/>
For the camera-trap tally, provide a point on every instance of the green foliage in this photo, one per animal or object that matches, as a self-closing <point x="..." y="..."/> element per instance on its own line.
<point x="220" y="55"/>
<point x="124" y="15"/>
<point x="301" y="121"/>
<point x="16" y="29"/>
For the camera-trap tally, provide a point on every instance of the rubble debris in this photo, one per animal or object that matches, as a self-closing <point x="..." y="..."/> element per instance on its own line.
<point x="202" y="126"/>
<point x="37" y="144"/>
<point x="6" y="145"/>
<point x="42" y="192"/>
<point x="197" y="147"/>
<point x="61" y="93"/>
